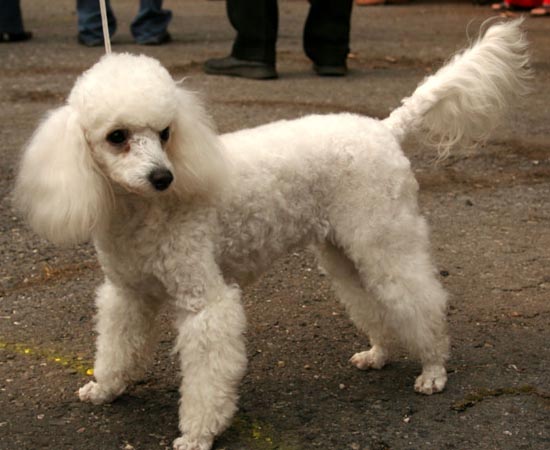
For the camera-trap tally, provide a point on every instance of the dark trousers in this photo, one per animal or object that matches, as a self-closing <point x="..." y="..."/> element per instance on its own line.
<point x="326" y="31"/>
<point x="10" y="17"/>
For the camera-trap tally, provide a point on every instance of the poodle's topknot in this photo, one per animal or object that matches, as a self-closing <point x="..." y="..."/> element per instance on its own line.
<point x="119" y="87"/>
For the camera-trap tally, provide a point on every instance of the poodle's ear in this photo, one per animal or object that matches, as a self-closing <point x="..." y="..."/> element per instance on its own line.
<point x="58" y="188"/>
<point x="195" y="150"/>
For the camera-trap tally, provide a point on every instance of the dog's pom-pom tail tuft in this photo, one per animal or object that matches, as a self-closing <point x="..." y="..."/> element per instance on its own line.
<point x="465" y="100"/>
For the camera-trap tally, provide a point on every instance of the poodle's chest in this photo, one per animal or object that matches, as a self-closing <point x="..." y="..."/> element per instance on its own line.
<point x="131" y="268"/>
<point x="130" y="259"/>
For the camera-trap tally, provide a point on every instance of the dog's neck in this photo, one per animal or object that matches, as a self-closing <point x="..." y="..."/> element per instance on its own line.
<point x="132" y="208"/>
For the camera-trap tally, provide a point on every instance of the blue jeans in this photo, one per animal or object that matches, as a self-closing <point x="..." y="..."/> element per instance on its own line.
<point x="150" y="21"/>
<point x="10" y="17"/>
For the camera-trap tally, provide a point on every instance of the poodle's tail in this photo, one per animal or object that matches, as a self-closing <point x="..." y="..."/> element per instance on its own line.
<point x="465" y="99"/>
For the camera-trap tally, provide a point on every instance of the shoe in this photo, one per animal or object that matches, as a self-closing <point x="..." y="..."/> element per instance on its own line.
<point x="235" y="67"/>
<point x="15" y="37"/>
<point x="330" y="70"/>
<point x="159" y="39"/>
<point x="90" y="41"/>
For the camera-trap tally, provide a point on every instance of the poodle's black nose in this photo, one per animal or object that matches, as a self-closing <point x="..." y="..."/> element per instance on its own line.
<point x="161" y="179"/>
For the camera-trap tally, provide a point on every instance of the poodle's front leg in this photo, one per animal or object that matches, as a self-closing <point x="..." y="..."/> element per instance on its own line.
<point x="213" y="361"/>
<point x="126" y="330"/>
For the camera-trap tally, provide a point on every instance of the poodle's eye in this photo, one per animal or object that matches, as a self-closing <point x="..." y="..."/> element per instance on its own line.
<point x="117" y="137"/>
<point x="165" y="134"/>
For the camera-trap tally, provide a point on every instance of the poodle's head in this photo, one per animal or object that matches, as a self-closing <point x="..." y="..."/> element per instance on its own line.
<point x="127" y="128"/>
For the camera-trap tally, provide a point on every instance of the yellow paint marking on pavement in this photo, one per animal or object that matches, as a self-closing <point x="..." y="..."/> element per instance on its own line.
<point x="73" y="363"/>
<point x="257" y="435"/>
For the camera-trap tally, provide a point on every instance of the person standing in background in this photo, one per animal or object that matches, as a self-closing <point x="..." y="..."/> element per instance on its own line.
<point x="11" y="22"/>
<point x="148" y="28"/>
<point x="325" y="38"/>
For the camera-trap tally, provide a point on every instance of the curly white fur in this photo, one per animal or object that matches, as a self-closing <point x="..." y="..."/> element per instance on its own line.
<point x="465" y="100"/>
<point x="226" y="206"/>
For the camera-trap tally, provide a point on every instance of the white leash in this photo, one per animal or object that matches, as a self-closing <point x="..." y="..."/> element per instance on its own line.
<point x="105" y="26"/>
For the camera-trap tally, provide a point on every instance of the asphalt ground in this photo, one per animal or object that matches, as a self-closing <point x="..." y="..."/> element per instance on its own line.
<point x="489" y="211"/>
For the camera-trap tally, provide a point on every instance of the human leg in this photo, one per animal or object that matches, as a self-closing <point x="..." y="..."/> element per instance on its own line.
<point x="90" y="31"/>
<point x="151" y="23"/>
<point x="253" y="52"/>
<point x="256" y="23"/>
<point x="326" y="35"/>
<point x="11" y="22"/>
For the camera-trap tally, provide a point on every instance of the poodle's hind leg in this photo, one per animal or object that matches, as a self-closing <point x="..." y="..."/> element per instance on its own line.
<point x="365" y="313"/>
<point x="126" y="336"/>
<point x="397" y="268"/>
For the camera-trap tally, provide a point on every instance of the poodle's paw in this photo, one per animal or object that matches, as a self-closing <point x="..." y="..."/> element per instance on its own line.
<point x="375" y="358"/>
<point x="184" y="443"/>
<point x="98" y="394"/>
<point x="431" y="380"/>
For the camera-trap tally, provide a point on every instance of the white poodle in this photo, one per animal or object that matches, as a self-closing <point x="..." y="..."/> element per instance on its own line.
<point x="179" y="214"/>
